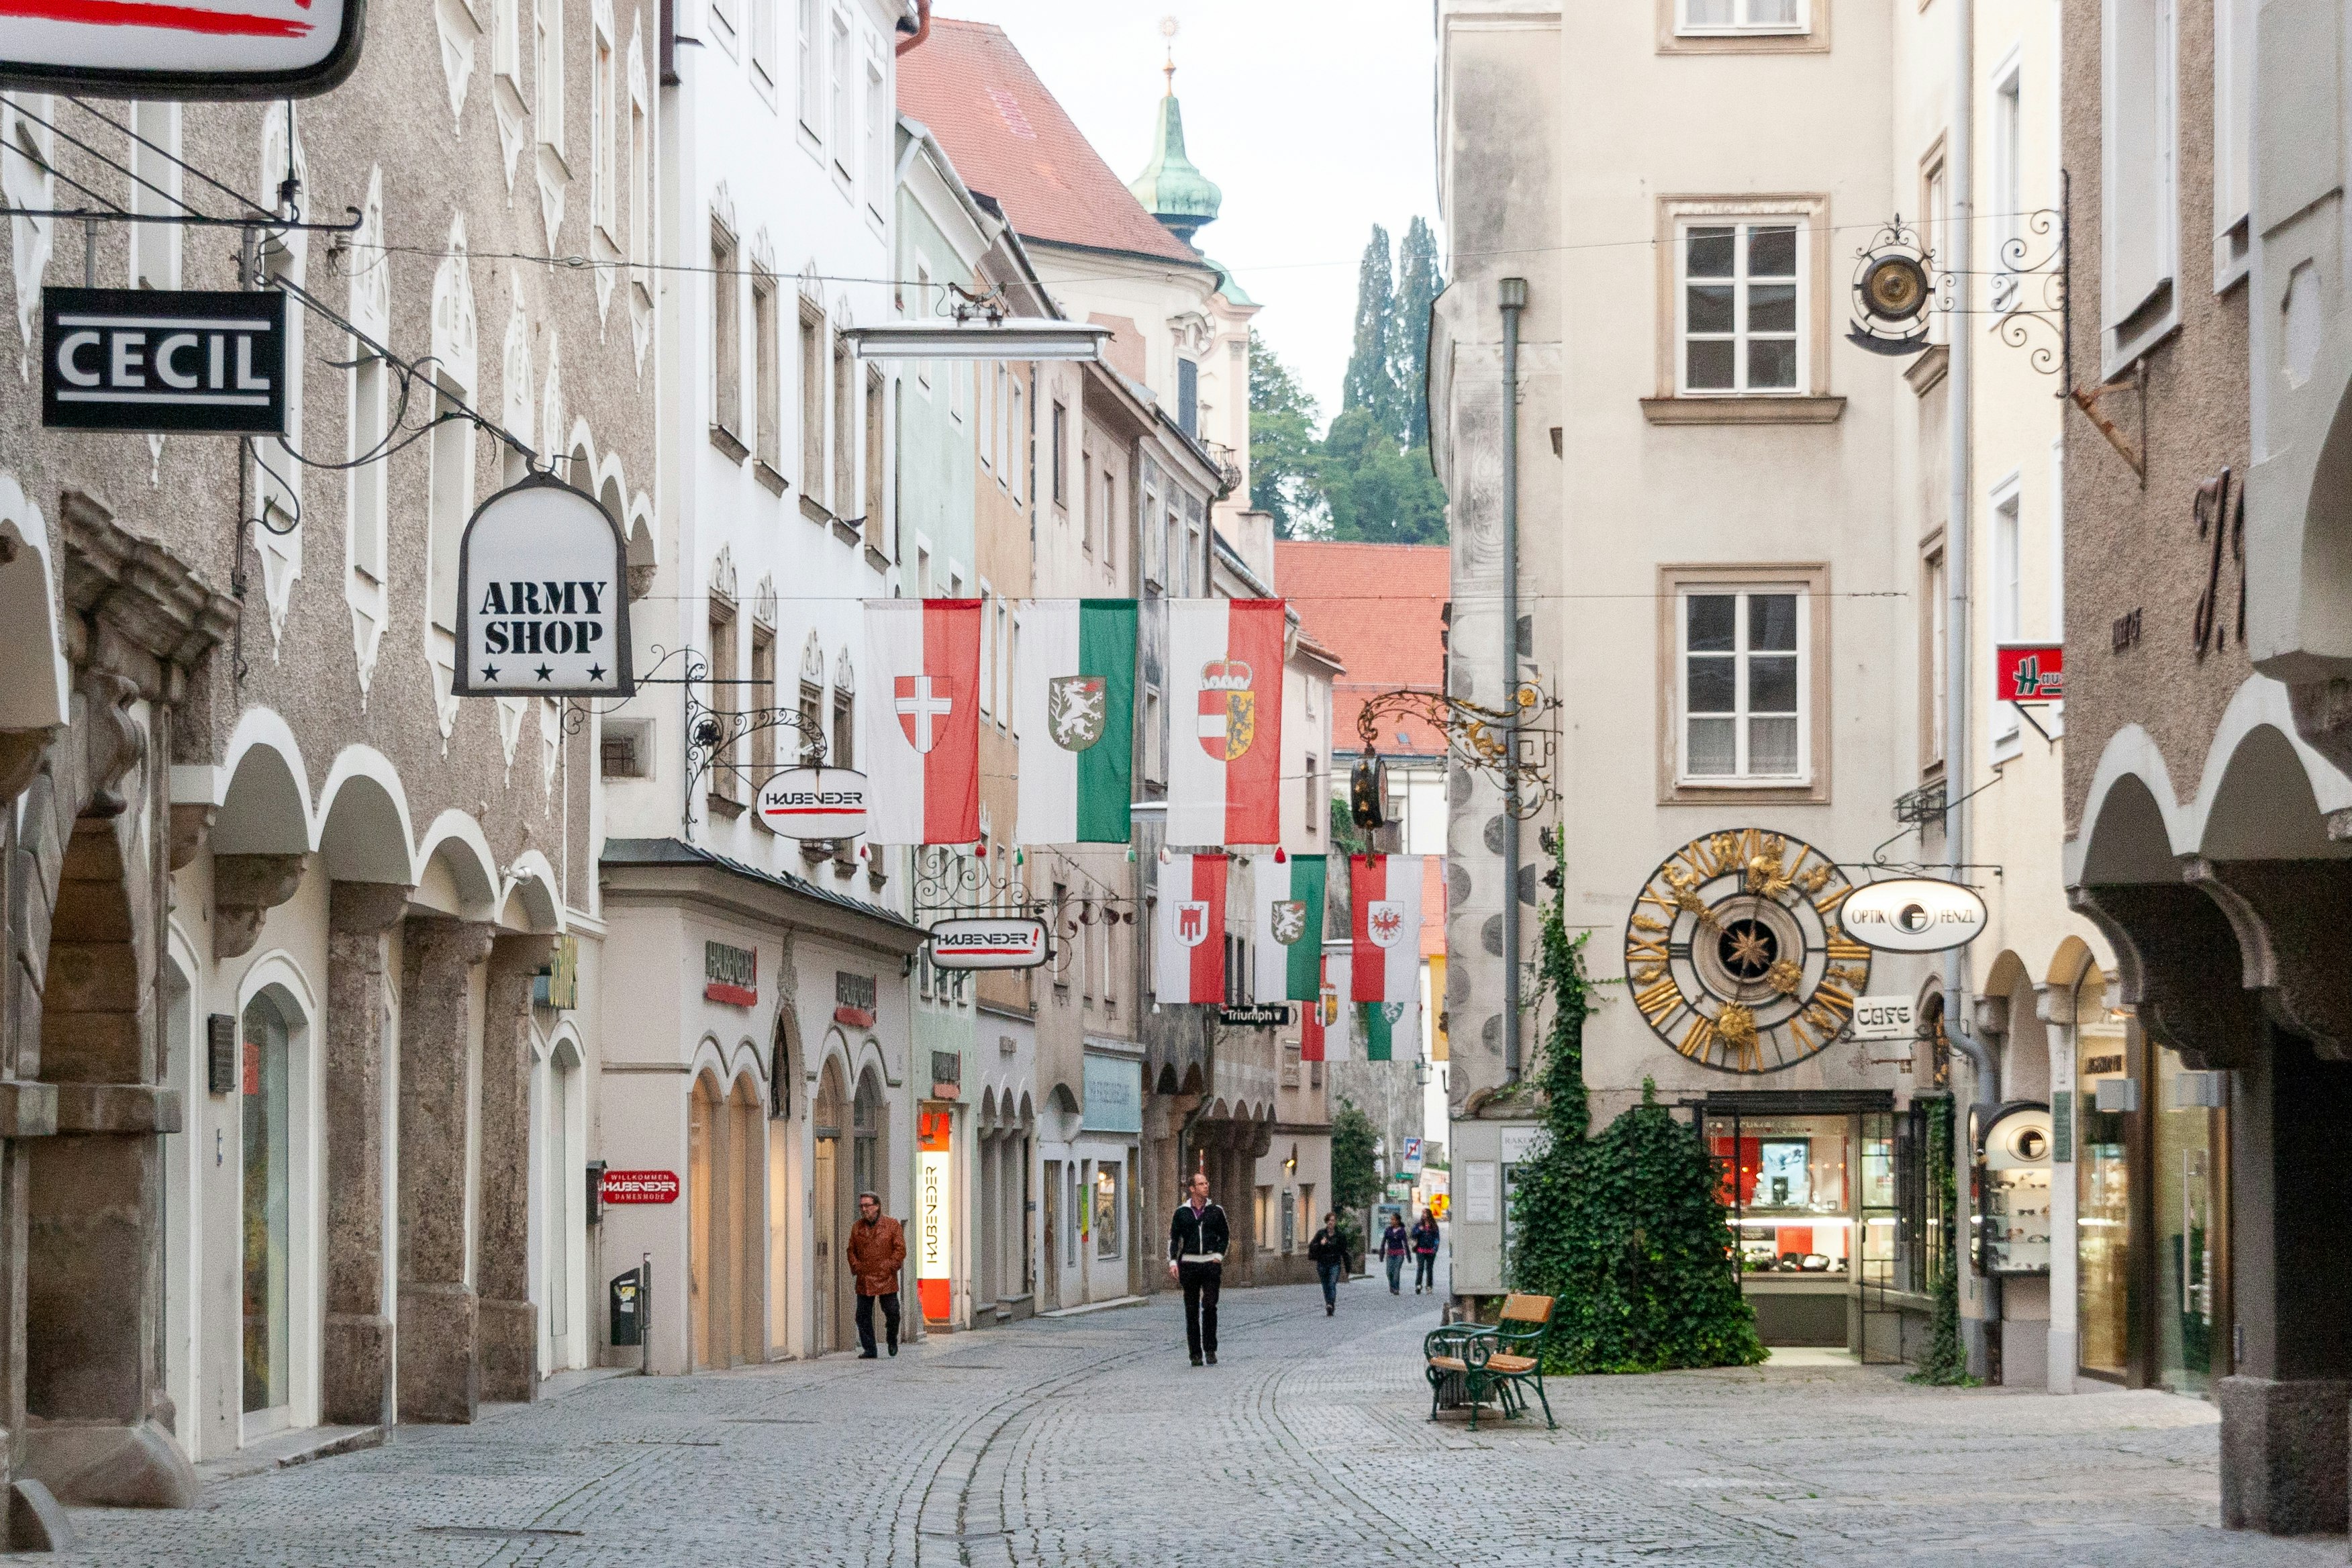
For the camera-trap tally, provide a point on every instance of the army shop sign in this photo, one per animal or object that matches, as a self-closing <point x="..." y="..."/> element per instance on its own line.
<point x="543" y="596"/>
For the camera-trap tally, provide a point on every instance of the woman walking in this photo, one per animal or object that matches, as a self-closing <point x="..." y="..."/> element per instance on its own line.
<point x="1395" y="1242"/>
<point x="1425" y="1253"/>
<point x="1327" y="1250"/>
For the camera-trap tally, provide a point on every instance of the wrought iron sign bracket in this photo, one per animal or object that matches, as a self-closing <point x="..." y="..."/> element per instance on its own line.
<point x="1518" y="746"/>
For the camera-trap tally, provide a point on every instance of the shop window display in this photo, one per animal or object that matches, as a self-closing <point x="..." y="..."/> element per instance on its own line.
<point x="2187" y="1229"/>
<point x="1785" y="1180"/>
<point x="2104" y="1052"/>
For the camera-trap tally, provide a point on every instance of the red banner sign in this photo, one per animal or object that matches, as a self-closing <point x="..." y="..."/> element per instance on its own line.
<point x="640" y="1186"/>
<point x="2030" y="673"/>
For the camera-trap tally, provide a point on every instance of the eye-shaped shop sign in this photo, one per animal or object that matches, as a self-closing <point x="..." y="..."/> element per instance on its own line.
<point x="180" y="49"/>
<point x="543" y="596"/>
<point x="1913" y="915"/>
<point x="157" y="362"/>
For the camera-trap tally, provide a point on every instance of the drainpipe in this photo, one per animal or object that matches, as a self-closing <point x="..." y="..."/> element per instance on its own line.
<point x="1960" y="671"/>
<point x="1512" y="295"/>
<point x="922" y="27"/>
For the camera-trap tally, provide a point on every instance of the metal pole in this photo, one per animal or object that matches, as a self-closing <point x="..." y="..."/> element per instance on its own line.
<point x="645" y="1314"/>
<point x="1512" y="295"/>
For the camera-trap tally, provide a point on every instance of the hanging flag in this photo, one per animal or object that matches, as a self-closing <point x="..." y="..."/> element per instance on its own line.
<point x="1189" y="952"/>
<point x="1288" y="965"/>
<point x="1385" y="1022"/>
<point x="1323" y="1029"/>
<point x="1384" y="908"/>
<point x="1074" y="696"/>
<point x="1224" y="727"/>
<point x="920" y="738"/>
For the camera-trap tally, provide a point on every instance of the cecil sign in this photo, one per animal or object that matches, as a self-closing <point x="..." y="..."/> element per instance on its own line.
<point x="150" y="361"/>
<point x="543" y="596"/>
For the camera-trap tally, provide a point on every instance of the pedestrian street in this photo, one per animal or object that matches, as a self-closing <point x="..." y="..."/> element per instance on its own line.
<point x="1090" y="1440"/>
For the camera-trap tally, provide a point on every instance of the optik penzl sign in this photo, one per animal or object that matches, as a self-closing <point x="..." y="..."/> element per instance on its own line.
<point x="543" y="596"/>
<point x="163" y="362"/>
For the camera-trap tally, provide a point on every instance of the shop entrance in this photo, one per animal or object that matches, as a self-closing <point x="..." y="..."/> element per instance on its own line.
<point x="266" y="1106"/>
<point x="830" y="1286"/>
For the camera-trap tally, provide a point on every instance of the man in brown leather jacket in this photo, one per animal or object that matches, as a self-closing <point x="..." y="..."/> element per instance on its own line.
<point x="877" y="1247"/>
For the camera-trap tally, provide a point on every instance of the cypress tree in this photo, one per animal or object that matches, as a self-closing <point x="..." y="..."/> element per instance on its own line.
<point x="1372" y="364"/>
<point x="1419" y="283"/>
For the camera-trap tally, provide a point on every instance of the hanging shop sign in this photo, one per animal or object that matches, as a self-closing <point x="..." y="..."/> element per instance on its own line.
<point x="854" y="998"/>
<point x="815" y="803"/>
<point x="639" y="1188"/>
<point x="934" y="1264"/>
<point x="996" y="944"/>
<point x="184" y="49"/>
<point x="543" y="599"/>
<point x="163" y="362"/>
<point x="1255" y="1015"/>
<point x="1913" y="915"/>
<point x="731" y="974"/>
<point x="1894" y="1016"/>
<point x="2030" y="674"/>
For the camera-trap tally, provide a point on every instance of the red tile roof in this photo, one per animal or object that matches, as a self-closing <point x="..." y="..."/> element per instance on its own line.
<point x="1010" y="140"/>
<point x="1379" y="607"/>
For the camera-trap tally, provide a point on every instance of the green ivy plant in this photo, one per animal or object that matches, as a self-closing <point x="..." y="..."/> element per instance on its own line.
<point x="1945" y="1362"/>
<point x="1627" y="1232"/>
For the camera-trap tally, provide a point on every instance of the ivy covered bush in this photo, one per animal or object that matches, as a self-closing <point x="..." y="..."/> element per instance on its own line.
<point x="1627" y="1232"/>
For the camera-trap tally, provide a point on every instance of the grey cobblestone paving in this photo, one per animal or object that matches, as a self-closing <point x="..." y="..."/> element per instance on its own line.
<point x="1090" y="1442"/>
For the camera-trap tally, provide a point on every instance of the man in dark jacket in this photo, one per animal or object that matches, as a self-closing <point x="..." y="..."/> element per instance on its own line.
<point x="876" y="1250"/>
<point x="1327" y="1250"/>
<point x="1196" y="1259"/>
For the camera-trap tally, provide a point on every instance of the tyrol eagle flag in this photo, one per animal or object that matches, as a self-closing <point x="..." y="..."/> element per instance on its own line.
<point x="1289" y="947"/>
<point x="921" y="729"/>
<point x="1384" y="908"/>
<point x="1188" y="961"/>
<point x="1225" y="763"/>
<point x="1074" y="699"/>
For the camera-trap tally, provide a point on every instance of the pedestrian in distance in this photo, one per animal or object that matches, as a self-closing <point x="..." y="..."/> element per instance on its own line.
<point x="1196" y="1260"/>
<point x="1327" y="1250"/>
<point x="1425" y="1253"/>
<point x="878" y="1249"/>
<point x="1395" y="1243"/>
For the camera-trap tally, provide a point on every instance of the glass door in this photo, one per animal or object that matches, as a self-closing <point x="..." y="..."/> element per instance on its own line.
<point x="1880" y="1239"/>
<point x="268" y="1166"/>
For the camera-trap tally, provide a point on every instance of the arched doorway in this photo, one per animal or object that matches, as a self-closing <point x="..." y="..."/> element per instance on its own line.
<point x="266" y="1108"/>
<point x="707" y="1263"/>
<point x="561" y="1244"/>
<point x="830" y="1288"/>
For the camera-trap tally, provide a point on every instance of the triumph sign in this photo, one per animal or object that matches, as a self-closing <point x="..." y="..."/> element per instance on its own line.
<point x="543" y="596"/>
<point x="1001" y="943"/>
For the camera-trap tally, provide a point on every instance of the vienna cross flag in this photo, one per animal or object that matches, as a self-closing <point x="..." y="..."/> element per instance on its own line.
<point x="1290" y="928"/>
<point x="1384" y="908"/>
<point x="1224" y="723"/>
<point x="1074" y="701"/>
<point x="920" y="734"/>
<point x="1188" y="962"/>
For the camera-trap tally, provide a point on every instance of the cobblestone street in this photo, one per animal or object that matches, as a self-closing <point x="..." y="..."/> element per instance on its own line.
<point x="1089" y="1441"/>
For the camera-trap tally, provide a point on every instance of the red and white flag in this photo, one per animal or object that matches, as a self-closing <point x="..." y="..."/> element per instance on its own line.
<point x="1225" y="740"/>
<point x="1323" y="1027"/>
<point x="920" y="734"/>
<point x="1384" y="909"/>
<point x="1188" y="961"/>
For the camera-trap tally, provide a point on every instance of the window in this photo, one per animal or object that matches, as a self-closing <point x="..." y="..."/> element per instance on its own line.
<point x="873" y="452"/>
<point x="923" y="313"/>
<point x="1151" y="738"/>
<point x="1740" y="313"/>
<point x="604" y="192"/>
<point x="2007" y="598"/>
<point x="2234" y="139"/>
<point x="1057" y="460"/>
<point x="1935" y="625"/>
<point x="1111" y="520"/>
<point x="1086" y="501"/>
<point x="811" y="744"/>
<point x="989" y="638"/>
<point x="2007" y="184"/>
<point x="369" y="425"/>
<point x="766" y="416"/>
<point x="155" y="188"/>
<point x="1015" y="455"/>
<point x="811" y="90"/>
<point x="641" y="177"/>
<point x="811" y="403"/>
<point x="722" y="22"/>
<point x="879" y="117"/>
<point x="1704" y="17"/>
<point x="721" y="780"/>
<point x="1107" y="1196"/>
<point x="1743" y="683"/>
<point x="1311" y="792"/>
<point x="845" y="722"/>
<point x="763" y="690"/>
<point x="1188" y="397"/>
<point x="1008" y="642"/>
<point x="2139" y="233"/>
<point x="844" y="85"/>
<point x="547" y="72"/>
<point x="1936" y="224"/>
<point x="763" y="42"/>
<point x="844" y="426"/>
<point x="726" y="336"/>
<point x="449" y="502"/>
<point x="506" y="45"/>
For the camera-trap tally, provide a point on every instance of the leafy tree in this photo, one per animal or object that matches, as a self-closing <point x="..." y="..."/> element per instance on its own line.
<point x="1627" y="1231"/>
<point x="1419" y="283"/>
<point x="1375" y="490"/>
<point x="1355" y="1170"/>
<point x="1371" y="382"/>
<point x="1283" y="461"/>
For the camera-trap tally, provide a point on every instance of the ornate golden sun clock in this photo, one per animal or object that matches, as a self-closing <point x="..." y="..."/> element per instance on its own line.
<point x="1735" y="955"/>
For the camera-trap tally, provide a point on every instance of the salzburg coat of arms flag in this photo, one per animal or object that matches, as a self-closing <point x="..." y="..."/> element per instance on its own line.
<point x="1074" y="699"/>
<point x="920" y="729"/>
<point x="1323" y="1031"/>
<point x="1288" y="952"/>
<point x="1384" y="908"/>
<point x="1224" y="744"/>
<point x="1188" y="948"/>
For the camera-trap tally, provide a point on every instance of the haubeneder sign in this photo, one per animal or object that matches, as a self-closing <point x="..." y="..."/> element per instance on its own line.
<point x="543" y="596"/>
<point x="1001" y="942"/>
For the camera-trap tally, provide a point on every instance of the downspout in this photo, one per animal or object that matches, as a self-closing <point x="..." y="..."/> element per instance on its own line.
<point x="1512" y="295"/>
<point x="1960" y="659"/>
<point x="922" y="27"/>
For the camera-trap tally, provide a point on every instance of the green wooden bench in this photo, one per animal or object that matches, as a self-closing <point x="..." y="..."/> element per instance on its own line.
<point x="1464" y="1361"/>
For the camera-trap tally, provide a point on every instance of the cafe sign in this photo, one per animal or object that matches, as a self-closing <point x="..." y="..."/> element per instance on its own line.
<point x="1913" y="915"/>
<point x="543" y="596"/>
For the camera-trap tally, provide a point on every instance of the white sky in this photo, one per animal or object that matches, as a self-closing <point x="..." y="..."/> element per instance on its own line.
<point x="1313" y="115"/>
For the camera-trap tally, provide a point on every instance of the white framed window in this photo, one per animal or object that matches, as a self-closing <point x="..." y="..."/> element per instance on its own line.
<point x="1934" y="624"/>
<point x="2233" y="140"/>
<point x="641" y="169"/>
<point x="1706" y="18"/>
<point x="155" y="188"/>
<point x="2008" y="180"/>
<point x="604" y="195"/>
<point x="1743" y="676"/>
<point x="1935" y="231"/>
<point x="2139" y="175"/>
<point x="811" y="63"/>
<point x="505" y="45"/>
<point x="845" y="87"/>
<point x="880" y="113"/>
<point x="1741" y="307"/>
<point x="2007" y="589"/>
<point x="763" y="43"/>
<point x="722" y="22"/>
<point x="547" y="72"/>
<point x="990" y="622"/>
